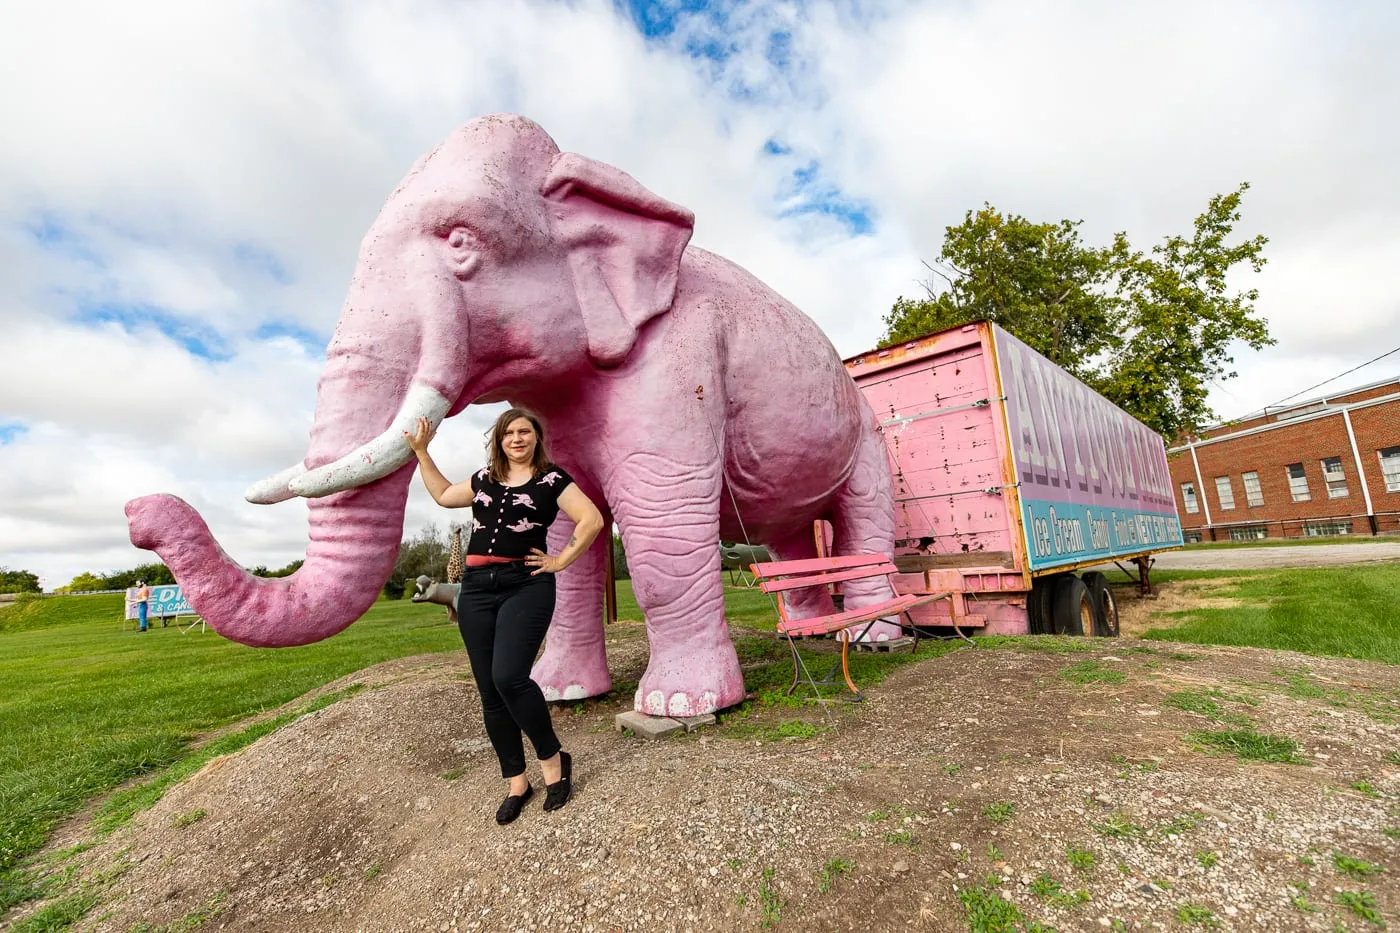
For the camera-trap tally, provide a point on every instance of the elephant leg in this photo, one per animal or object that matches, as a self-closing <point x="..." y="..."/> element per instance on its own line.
<point x="669" y="515"/>
<point x="809" y="602"/>
<point x="574" y="662"/>
<point x="863" y="523"/>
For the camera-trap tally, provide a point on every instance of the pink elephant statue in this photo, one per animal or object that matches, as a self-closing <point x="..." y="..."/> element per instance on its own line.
<point x="682" y="393"/>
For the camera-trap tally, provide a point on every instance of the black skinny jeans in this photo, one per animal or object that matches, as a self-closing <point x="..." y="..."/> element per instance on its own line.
<point x="503" y="612"/>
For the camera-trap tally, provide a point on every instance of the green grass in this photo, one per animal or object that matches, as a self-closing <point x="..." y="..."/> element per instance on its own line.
<point x="1355" y="867"/>
<point x="832" y="870"/>
<point x="86" y="706"/>
<point x="986" y="911"/>
<point x="1333" y="611"/>
<point x="1197" y="915"/>
<point x="1081" y="860"/>
<point x="999" y="812"/>
<point x="1247" y="745"/>
<point x="1091" y="672"/>
<point x="1360" y="903"/>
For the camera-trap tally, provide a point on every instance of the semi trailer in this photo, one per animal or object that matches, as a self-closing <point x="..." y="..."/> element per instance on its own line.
<point x="1012" y="481"/>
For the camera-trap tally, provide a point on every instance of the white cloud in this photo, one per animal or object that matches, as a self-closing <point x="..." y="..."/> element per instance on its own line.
<point x="219" y="163"/>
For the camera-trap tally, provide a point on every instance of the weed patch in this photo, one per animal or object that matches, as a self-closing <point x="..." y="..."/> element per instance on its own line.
<point x="1354" y="867"/>
<point x="999" y="812"/>
<point x="1117" y="826"/>
<point x="1246" y="745"/>
<point x="986" y="911"/>
<point x="830" y="872"/>
<point x="1081" y="860"/>
<point x="1360" y="903"/>
<point x="1083" y="673"/>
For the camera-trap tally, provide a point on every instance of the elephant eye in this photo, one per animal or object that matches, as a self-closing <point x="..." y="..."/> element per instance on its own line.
<point x="462" y="238"/>
<point x="466" y="249"/>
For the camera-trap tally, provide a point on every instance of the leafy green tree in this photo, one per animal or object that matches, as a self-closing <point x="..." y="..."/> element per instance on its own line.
<point x="1150" y="331"/>
<point x="85" y="582"/>
<point x="152" y="574"/>
<point x="19" y="581"/>
<point x="422" y="555"/>
<point x="620" y="571"/>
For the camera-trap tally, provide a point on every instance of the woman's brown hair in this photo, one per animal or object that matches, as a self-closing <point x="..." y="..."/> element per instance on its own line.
<point x="497" y="462"/>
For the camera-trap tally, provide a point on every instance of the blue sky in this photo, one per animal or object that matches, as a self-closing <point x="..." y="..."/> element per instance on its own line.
<point x="174" y="253"/>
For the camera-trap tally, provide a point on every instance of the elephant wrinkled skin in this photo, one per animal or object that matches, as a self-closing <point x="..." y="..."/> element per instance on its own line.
<point x="671" y="383"/>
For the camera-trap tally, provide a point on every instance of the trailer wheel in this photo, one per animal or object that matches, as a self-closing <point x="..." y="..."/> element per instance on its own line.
<point x="1040" y="603"/>
<point x="1105" y="606"/>
<point x="1073" y="612"/>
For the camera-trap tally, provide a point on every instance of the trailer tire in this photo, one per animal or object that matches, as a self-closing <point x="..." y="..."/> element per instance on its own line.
<point x="1073" y="610"/>
<point x="1105" y="605"/>
<point x="1040" y="604"/>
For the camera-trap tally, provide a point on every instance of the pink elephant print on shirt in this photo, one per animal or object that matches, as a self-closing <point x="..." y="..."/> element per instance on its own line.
<point x="483" y="498"/>
<point x="523" y="525"/>
<point x="523" y="499"/>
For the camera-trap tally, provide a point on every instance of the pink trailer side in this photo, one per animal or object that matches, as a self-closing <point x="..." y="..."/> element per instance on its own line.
<point x="986" y="437"/>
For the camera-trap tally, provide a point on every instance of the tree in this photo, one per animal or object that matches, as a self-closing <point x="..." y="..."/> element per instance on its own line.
<point x="85" y="582"/>
<point x="261" y="569"/>
<point x="152" y="574"/>
<point x="424" y="555"/>
<point x="1150" y="331"/>
<point x="19" y="581"/>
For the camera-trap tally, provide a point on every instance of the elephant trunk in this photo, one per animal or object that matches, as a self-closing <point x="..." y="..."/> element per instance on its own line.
<point x="354" y="534"/>
<point x="354" y="542"/>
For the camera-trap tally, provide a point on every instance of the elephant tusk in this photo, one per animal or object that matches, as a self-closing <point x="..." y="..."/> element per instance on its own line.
<point x="274" y="488"/>
<point x="379" y="457"/>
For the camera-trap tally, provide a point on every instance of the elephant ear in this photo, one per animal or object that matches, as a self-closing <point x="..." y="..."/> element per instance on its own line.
<point x="624" y="246"/>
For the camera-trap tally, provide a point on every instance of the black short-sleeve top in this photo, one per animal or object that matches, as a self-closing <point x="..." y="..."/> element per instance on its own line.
<point x="507" y="521"/>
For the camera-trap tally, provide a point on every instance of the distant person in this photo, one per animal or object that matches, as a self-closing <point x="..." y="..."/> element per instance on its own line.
<point x="141" y="600"/>
<point x="504" y="606"/>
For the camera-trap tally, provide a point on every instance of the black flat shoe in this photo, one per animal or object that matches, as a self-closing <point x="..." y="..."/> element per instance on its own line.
<point x="512" y="805"/>
<point x="558" y="793"/>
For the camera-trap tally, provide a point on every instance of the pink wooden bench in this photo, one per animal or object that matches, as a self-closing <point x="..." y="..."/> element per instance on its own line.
<point x="781" y="576"/>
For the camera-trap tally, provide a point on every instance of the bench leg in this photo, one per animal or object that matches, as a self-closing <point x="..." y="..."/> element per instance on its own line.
<point x="846" y="666"/>
<point x="915" y="629"/>
<point x="796" y="665"/>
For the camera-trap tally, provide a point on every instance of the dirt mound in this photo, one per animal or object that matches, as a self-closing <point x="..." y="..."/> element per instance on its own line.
<point x="1057" y="785"/>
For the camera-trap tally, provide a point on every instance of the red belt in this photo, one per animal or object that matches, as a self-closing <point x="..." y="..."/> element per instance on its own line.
<point x="482" y="560"/>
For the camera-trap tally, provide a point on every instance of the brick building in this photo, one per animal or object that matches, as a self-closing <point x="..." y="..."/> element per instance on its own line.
<point x="1323" y="467"/>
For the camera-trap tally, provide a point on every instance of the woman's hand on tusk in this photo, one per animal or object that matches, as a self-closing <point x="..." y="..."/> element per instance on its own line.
<point x="418" y="441"/>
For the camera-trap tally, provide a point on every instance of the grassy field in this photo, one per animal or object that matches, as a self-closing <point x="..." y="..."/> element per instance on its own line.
<point x="86" y="706"/>
<point x="1349" y="612"/>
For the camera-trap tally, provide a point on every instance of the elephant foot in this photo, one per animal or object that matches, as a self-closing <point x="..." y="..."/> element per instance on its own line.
<point x="690" y="681"/>
<point x="572" y="672"/>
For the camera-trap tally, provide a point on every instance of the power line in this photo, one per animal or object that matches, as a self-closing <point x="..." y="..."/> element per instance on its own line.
<point x="1333" y="379"/>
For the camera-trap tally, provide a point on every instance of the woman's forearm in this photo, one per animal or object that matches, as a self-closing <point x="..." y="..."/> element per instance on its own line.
<point x="433" y="479"/>
<point x="584" y="533"/>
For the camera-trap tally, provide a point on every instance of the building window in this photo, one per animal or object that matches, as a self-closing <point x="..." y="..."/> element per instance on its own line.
<point x="1390" y="468"/>
<point x="1320" y="529"/>
<point x="1224" y="493"/>
<point x="1191" y="537"/>
<point x="1335" y="478"/>
<point x="1188" y="495"/>
<point x="1253" y="492"/>
<point x="1298" y="483"/>
<point x="1251" y="533"/>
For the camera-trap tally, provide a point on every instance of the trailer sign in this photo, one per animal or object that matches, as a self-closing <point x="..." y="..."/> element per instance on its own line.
<point x="1093" y="481"/>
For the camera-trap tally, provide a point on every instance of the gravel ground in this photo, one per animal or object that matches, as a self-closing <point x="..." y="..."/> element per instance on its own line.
<point x="964" y="779"/>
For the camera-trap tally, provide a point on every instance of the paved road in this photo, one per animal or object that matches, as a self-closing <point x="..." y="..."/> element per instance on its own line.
<point x="1303" y="555"/>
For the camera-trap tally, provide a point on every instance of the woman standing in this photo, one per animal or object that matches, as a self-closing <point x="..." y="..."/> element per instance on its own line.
<point x="507" y="596"/>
